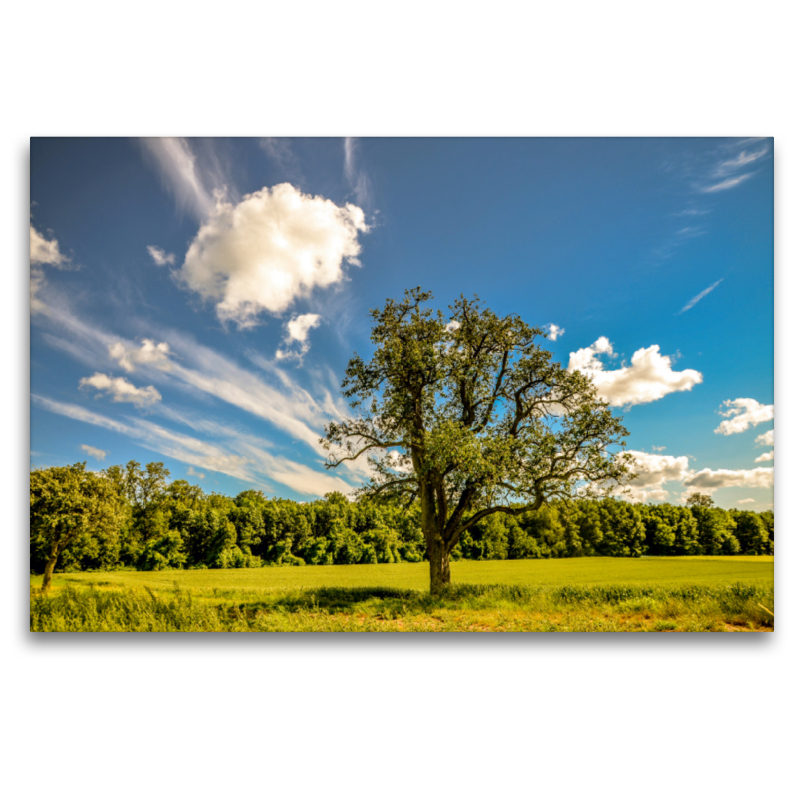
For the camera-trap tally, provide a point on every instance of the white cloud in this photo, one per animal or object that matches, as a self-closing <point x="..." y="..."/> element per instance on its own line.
<point x="237" y="453"/>
<point x="121" y="390"/>
<point x="767" y="439"/>
<point x="94" y="452"/>
<point x="182" y="175"/>
<point x="766" y="457"/>
<point x="653" y="471"/>
<point x="159" y="256"/>
<point x="274" y="247"/>
<point x="453" y="325"/>
<point x="746" y="500"/>
<point x="700" y="296"/>
<point x="356" y="177"/>
<point x="760" y="477"/>
<point x="45" y="251"/>
<point x="649" y="377"/>
<point x="742" y="160"/>
<point x="727" y="184"/>
<point x="150" y="353"/>
<point x="658" y="449"/>
<point x="297" y="329"/>
<point x="193" y="471"/>
<point x="743" y="412"/>
<point x="553" y="332"/>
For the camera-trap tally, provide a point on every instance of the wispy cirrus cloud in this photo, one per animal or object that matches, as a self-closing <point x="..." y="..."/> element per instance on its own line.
<point x="229" y="451"/>
<point x="356" y="175"/>
<point x="192" y="171"/>
<point x="698" y="297"/>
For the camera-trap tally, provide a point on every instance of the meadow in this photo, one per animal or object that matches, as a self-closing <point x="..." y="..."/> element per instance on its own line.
<point x="702" y="593"/>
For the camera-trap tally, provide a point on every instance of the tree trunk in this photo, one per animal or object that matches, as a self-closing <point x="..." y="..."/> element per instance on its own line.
<point x="439" y="558"/>
<point x="48" y="570"/>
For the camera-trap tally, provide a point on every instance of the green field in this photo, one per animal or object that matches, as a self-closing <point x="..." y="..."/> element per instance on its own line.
<point x="541" y="572"/>
<point x="582" y="594"/>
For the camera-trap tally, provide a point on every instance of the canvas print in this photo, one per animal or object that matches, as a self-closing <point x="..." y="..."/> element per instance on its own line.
<point x="401" y="384"/>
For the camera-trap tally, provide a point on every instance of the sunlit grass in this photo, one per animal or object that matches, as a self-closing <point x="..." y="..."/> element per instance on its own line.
<point x="597" y="594"/>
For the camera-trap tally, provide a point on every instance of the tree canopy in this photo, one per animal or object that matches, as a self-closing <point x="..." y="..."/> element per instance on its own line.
<point x="471" y="416"/>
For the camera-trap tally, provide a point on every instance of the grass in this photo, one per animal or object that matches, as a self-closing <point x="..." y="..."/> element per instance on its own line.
<point x="597" y="594"/>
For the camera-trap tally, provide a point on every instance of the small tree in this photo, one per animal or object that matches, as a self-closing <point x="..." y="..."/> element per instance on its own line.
<point x="69" y="506"/>
<point x="472" y="417"/>
<point x="699" y="500"/>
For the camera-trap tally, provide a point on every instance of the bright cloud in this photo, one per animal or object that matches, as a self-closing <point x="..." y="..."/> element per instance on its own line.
<point x="767" y="439"/>
<point x="711" y="479"/>
<point x="274" y="247"/>
<point x="43" y="251"/>
<point x="150" y="353"/>
<point x="766" y="457"/>
<point x="121" y="390"/>
<point x="652" y="472"/>
<point x="297" y="329"/>
<point x="743" y="413"/>
<point x="698" y="297"/>
<point x="553" y="332"/>
<point x="94" y="452"/>
<point x="649" y="377"/>
<point x="159" y="256"/>
<point x="746" y="500"/>
<point x="193" y="471"/>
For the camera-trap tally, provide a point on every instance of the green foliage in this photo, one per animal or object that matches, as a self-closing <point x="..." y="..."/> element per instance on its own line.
<point x="118" y="525"/>
<point x="472" y="417"/>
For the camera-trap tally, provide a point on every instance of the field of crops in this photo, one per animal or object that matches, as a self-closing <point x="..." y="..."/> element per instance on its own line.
<point x="590" y="594"/>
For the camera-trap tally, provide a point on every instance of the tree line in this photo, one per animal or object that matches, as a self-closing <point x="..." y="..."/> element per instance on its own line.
<point x="134" y="517"/>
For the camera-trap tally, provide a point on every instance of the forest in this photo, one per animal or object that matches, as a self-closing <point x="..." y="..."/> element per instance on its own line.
<point x="134" y="517"/>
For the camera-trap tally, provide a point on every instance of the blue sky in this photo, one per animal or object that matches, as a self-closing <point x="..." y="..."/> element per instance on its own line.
<point x="196" y="301"/>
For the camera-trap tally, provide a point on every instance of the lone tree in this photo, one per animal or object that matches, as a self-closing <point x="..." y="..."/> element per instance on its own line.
<point x="699" y="500"/>
<point x="71" y="506"/>
<point x="472" y="417"/>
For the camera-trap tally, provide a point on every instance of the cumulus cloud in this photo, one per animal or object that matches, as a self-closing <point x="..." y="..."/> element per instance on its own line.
<point x="649" y="377"/>
<point x="766" y="457"/>
<point x="766" y="439"/>
<point x="712" y="479"/>
<point x="121" y="390"/>
<point x="743" y="413"/>
<point x="150" y="354"/>
<point x="652" y="472"/>
<point x="698" y="297"/>
<point x="553" y="332"/>
<point x="453" y="325"/>
<point x="159" y="256"/>
<point x="43" y="251"/>
<point x="193" y="471"/>
<point x="94" y="452"/>
<point x="272" y="248"/>
<point x="296" y="339"/>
